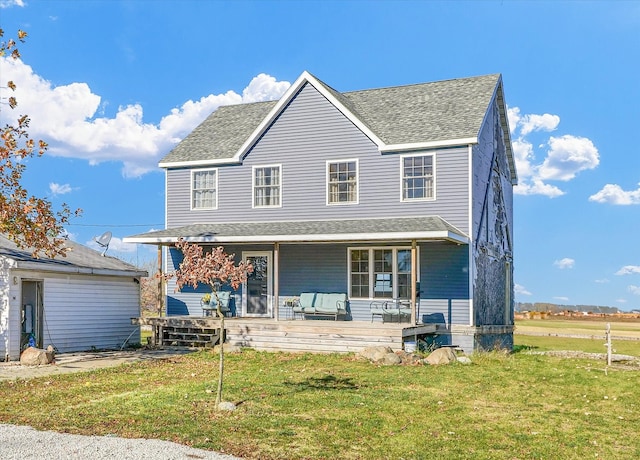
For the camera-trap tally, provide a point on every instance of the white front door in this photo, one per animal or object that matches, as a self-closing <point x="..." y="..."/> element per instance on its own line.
<point x="257" y="292"/>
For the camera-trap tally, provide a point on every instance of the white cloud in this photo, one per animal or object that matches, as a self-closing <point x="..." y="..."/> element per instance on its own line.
<point x="263" y="87"/>
<point x="67" y="117"/>
<point x="564" y="263"/>
<point x="10" y="3"/>
<point x="562" y="298"/>
<point x="537" y="187"/>
<point x="59" y="189"/>
<point x="602" y="281"/>
<point x="635" y="290"/>
<point x="524" y="157"/>
<point x="621" y="300"/>
<point x="629" y="270"/>
<point x="613" y="194"/>
<point x="533" y="122"/>
<point x="521" y="290"/>
<point x="565" y="156"/>
<point x="513" y="115"/>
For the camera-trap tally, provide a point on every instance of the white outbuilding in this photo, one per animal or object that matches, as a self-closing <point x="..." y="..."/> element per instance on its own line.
<point x="83" y="301"/>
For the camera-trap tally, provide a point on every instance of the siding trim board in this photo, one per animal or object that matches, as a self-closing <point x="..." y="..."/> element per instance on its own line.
<point x="428" y="145"/>
<point x="472" y="272"/>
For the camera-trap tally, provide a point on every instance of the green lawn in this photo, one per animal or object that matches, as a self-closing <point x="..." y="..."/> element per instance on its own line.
<point x="306" y="406"/>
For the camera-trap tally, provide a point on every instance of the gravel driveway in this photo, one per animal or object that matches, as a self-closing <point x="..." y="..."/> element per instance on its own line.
<point x="25" y="443"/>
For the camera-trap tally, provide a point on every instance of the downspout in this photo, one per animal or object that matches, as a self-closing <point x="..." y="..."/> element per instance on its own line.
<point x="414" y="281"/>
<point x="7" y="351"/>
<point x="471" y="243"/>
<point x="276" y="280"/>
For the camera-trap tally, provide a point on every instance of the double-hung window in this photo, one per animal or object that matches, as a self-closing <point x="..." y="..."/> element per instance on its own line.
<point x="342" y="182"/>
<point x="380" y="273"/>
<point x="204" y="189"/>
<point x="267" y="189"/>
<point x="418" y="177"/>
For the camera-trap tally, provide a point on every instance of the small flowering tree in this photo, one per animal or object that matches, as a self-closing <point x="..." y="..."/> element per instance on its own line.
<point x="215" y="269"/>
<point x="29" y="221"/>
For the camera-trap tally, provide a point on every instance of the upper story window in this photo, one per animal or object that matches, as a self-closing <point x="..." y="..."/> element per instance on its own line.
<point x="267" y="186"/>
<point x="342" y="182"/>
<point x="418" y="177"/>
<point x="204" y="189"/>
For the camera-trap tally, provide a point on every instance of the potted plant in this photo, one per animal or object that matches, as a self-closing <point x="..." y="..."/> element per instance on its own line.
<point x="290" y="301"/>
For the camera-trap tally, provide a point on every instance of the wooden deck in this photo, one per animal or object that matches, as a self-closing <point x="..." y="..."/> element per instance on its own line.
<point x="325" y="336"/>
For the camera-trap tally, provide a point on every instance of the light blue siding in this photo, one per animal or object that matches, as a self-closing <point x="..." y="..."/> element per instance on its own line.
<point x="319" y="268"/>
<point x="444" y="284"/>
<point x="307" y="134"/>
<point x="323" y="268"/>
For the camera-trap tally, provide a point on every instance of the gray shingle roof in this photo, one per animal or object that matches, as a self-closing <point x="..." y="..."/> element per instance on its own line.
<point x="427" y="112"/>
<point x="426" y="227"/>
<point x="222" y="133"/>
<point x="79" y="258"/>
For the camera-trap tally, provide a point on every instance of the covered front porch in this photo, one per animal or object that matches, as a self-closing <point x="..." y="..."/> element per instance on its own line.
<point x="418" y="263"/>
<point x="264" y="334"/>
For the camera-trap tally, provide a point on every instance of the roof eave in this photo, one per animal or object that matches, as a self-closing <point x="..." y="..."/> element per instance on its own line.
<point x="303" y="238"/>
<point x="39" y="266"/>
<point x="196" y="163"/>
<point x="428" y="145"/>
<point x="498" y="95"/>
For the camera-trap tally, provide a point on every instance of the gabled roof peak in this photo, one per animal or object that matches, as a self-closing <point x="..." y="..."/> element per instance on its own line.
<point x="396" y="118"/>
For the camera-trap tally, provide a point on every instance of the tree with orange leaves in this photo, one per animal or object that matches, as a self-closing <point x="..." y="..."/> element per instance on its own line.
<point x="215" y="269"/>
<point x="29" y="221"/>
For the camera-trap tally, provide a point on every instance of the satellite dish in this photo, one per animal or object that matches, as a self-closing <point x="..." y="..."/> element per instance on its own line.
<point x="103" y="241"/>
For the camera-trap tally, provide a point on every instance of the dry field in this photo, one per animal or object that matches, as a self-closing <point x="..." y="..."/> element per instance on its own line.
<point x="579" y="328"/>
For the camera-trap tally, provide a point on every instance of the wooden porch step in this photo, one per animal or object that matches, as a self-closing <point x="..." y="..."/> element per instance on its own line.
<point x="188" y="336"/>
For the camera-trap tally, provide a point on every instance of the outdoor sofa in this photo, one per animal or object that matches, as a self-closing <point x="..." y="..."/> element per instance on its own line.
<point x="320" y="304"/>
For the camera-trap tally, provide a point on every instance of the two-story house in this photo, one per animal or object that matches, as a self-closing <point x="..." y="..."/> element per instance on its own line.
<point x="383" y="194"/>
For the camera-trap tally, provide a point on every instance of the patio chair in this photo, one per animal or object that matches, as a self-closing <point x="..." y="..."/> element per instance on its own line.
<point x="378" y="308"/>
<point x="212" y="306"/>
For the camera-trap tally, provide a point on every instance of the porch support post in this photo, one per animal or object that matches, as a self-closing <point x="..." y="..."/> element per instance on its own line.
<point x="276" y="280"/>
<point x="160" y="282"/>
<point x="414" y="281"/>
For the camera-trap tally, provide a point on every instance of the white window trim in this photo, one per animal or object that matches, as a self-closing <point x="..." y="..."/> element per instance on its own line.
<point x="343" y="203"/>
<point x="433" y="166"/>
<point x="191" y="176"/>
<point x="395" y="250"/>
<point x="253" y="187"/>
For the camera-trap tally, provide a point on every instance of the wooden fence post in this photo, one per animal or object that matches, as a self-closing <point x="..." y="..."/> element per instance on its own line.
<point x="608" y="344"/>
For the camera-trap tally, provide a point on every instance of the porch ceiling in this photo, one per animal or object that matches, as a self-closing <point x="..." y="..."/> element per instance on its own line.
<point x="310" y="231"/>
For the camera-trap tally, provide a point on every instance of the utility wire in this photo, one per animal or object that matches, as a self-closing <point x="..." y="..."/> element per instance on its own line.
<point x="112" y="225"/>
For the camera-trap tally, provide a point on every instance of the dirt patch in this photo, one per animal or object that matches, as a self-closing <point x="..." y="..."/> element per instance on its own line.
<point x="622" y="361"/>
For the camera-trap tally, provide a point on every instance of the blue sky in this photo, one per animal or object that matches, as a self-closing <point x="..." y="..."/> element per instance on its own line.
<point x="113" y="85"/>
